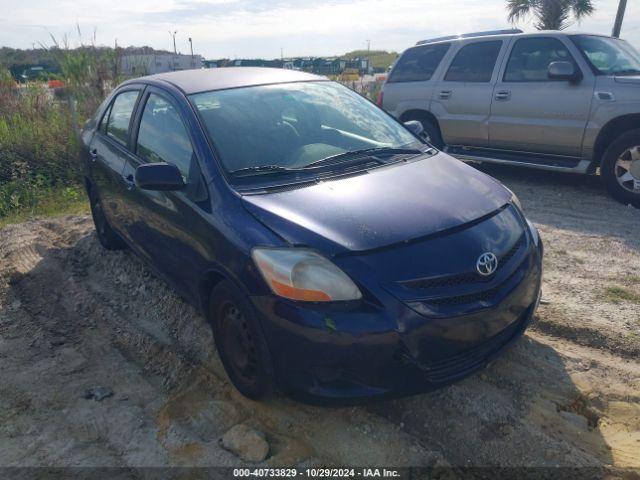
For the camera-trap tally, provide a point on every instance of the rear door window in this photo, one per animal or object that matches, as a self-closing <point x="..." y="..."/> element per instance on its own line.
<point x="474" y="62"/>
<point x="120" y="116"/>
<point x="418" y="63"/>
<point x="530" y="58"/>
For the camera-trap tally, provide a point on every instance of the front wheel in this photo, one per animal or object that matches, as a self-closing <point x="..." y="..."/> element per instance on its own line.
<point x="239" y="340"/>
<point x="620" y="168"/>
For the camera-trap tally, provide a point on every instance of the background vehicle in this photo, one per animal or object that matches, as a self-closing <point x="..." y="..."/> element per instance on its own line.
<point x="333" y="252"/>
<point x="551" y="100"/>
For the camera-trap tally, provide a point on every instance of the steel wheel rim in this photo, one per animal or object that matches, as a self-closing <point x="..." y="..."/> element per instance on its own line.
<point x="238" y="343"/>
<point x="627" y="169"/>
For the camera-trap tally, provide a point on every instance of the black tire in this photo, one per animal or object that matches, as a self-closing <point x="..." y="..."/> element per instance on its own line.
<point x="611" y="171"/>
<point x="107" y="237"/>
<point x="240" y="342"/>
<point x="431" y="133"/>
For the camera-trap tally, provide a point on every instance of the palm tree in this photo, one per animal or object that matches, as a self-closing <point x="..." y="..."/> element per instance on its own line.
<point x="549" y="14"/>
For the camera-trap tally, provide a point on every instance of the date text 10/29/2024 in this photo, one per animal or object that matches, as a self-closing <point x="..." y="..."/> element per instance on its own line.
<point x="316" y="473"/>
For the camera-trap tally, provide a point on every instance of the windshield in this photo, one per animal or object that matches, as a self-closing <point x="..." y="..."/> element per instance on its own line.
<point x="609" y="56"/>
<point x="287" y="127"/>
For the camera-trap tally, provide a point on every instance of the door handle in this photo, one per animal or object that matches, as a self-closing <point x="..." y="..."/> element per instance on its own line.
<point x="445" y="93"/>
<point x="129" y="182"/>
<point x="503" y="95"/>
<point x="93" y="154"/>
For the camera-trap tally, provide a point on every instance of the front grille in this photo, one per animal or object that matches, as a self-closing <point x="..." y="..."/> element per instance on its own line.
<point x="483" y="296"/>
<point x="467" y="277"/>
<point x="465" y="362"/>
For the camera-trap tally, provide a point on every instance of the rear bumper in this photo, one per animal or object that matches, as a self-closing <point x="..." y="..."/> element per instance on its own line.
<point x="344" y="354"/>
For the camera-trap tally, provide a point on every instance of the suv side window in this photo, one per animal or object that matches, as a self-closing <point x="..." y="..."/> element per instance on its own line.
<point x="474" y="62"/>
<point x="418" y="63"/>
<point x="163" y="137"/>
<point x="120" y="116"/>
<point x="530" y="58"/>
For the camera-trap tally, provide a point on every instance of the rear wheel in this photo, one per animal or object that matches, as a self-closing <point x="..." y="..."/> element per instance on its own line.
<point x="239" y="341"/>
<point x="107" y="237"/>
<point x="620" y="168"/>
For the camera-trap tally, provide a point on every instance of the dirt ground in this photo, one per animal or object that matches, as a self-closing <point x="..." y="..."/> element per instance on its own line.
<point x="73" y="316"/>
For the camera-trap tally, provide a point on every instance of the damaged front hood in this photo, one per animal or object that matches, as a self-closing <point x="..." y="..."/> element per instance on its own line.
<point x="388" y="205"/>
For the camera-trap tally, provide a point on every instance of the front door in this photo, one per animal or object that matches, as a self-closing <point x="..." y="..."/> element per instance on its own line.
<point x="533" y="113"/>
<point x="159" y="223"/>
<point x="461" y="100"/>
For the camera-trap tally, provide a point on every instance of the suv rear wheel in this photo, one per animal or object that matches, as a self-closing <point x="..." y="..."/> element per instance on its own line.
<point x="620" y="168"/>
<point x="431" y="131"/>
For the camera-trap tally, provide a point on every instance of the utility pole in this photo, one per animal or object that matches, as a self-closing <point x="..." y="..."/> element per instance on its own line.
<point x="193" y="65"/>
<point x="173" y="35"/>
<point x="368" y="56"/>
<point x="617" y="26"/>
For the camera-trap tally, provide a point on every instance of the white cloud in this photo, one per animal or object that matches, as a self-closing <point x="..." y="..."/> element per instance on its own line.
<point x="254" y="28"/>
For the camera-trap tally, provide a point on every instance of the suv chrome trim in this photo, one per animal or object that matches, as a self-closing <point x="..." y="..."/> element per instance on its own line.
<point x="581" y="167"/>
<point x="486" y="33"/>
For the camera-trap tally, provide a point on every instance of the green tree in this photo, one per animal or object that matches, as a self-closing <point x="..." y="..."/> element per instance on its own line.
<point x="549" y="14"/>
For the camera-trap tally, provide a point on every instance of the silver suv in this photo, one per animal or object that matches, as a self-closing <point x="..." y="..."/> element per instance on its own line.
<point x="550" y="100"/>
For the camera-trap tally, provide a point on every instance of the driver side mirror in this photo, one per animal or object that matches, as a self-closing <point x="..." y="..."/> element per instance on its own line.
<point x="159" y="176"/>
<point x="415" y="127"/>
<point x="564" y="71"/>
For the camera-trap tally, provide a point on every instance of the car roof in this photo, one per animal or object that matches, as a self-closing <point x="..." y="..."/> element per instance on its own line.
<point x="207" y="79"/>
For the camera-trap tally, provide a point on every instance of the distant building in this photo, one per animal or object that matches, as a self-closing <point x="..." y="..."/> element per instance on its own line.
<point x="318" y="65"/>
<point x="148" y="64"/>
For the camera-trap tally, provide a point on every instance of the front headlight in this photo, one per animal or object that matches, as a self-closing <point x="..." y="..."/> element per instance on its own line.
<point x="300" y="274"/>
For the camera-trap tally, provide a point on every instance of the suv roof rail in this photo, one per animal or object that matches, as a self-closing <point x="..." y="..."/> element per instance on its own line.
<point x="510" y="31"/>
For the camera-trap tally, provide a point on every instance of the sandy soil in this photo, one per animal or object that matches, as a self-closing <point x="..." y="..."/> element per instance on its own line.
<point x="73" y="316"/>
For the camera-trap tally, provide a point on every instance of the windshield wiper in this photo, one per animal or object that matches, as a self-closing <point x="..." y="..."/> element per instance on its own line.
<point x="364" y="153"/>
<point x="339" y="159"/>
<point x="259" y="169"/>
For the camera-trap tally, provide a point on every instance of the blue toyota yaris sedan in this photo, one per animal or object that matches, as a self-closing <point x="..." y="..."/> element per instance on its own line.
<point x="337" y="256"/>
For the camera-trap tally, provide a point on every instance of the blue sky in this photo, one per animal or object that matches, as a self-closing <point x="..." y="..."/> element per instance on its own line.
<point x="254" y="28"/>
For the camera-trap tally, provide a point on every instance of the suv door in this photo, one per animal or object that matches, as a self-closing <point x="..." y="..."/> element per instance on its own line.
<point x="462" y="99"/>
<point x="108" y="150"/>
<point x="533" y="113"/>
<point x="159" y="223"/>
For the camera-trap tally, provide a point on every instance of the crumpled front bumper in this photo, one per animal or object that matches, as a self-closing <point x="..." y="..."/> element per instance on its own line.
<point x="344" y="354"/>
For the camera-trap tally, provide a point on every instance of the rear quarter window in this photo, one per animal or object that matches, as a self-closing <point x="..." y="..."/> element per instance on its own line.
<point x="418" y="63"/>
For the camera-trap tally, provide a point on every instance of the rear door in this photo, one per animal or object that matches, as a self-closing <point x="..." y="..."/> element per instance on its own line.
<point x="533" y="113"/>
<point x="409" y="85"/>
<point x="462" y="97"/>
<point x="159" y="223"/>
<point x="108" y="150"/>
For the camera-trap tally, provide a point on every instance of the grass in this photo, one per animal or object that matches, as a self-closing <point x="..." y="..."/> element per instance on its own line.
<point x="52" y="203"/>
<point x="618" y="294"/>
<point x="40" y="133"/>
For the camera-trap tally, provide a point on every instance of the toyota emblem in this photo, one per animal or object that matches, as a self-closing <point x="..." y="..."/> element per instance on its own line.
<point x="487" y="264"/>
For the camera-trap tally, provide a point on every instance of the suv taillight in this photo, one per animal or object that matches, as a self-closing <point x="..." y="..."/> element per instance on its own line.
<point x="379" y="99"/>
